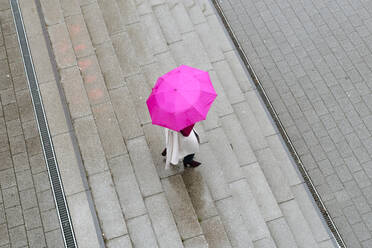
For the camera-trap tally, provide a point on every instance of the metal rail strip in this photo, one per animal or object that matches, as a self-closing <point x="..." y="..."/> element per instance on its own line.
<point x="274" y="115"/>
<point x="45" y="137"/>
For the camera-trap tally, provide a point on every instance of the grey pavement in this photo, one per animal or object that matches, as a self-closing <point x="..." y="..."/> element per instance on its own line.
<point x="28" y="217"/>
<point x="247" y="193"/>
<point x="314" y="59"/>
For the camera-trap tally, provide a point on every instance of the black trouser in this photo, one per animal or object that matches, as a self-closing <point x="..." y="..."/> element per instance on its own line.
<point x="187" y="159"/>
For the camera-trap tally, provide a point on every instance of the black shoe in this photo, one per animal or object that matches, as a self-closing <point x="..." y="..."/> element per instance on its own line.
<point x="164" y="153"/>
<point x="192" y="164"/>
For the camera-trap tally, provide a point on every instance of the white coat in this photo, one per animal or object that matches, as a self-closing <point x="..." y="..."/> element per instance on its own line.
<point x="179" y="146"/>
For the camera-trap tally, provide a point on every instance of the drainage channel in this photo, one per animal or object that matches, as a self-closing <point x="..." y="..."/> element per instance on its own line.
<point x="45" y="137"/>
<point x="331" y="225"/>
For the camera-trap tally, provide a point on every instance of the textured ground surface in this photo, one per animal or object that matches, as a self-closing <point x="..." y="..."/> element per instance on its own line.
<point x="314" y="59"/>
<point x="27" y="212"/>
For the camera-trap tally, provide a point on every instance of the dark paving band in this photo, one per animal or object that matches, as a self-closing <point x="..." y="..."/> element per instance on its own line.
<point x="45" y="137"/>
<point x="281" y="129"/>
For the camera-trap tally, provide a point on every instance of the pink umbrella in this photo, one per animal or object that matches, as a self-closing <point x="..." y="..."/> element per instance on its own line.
<point x="181" y="98"/>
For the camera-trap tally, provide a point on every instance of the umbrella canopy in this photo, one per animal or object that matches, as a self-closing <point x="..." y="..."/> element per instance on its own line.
<point x="181" y="98"/>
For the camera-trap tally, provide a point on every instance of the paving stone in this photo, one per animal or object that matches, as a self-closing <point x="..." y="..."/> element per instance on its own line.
<point x="45" y="200"/>
<point x="62" y="46"/>
<point x="125" y="113"/>
<point x="41" y="59"/>
<point x="141" y="43"/>
<point x="140" y="90"/>
<point x="361" y="231"/>
<point x="107" y="205"/>
<point x="229" y="83"/>
<point x="93" y="80"/>
<point x="221" y="103"/>
<point x="123" y="241"/>
<point x="126" y="187"/>
<point x="233" y="222"/>
<point x="74" y="90"/>
<point x="262" y="192"/>
<point x="19" y="83"/>
<point x="162" y="221"/>
<point x="10" y="112"/>
<point x="214" y="233"/>
<point x="41" y="181"/>
<point x="199" y="193"/>
<point x="53" y="108"/>
<point x="52" y="12"/>
<point x="90" y="145"/>
<point x="249" y="209"/>
<point x="28" y="199"/>
<point x="6" y="161"/>
<point x="54" y="239"/>
<point x="112" y="16"/>
<point x="212" y="173"/>
<point x="181" y="207"/>
<point x="143" y="166"/>
<point x="24" y="180"/>
<point x="128" y="11"/>
<point x="32" y="218"/>
<point x="50" y="220"/>
<point x="33" y="145"/>
<point x="250" y="126"/>
<point x="36" y="237"/>
<point x="14" y="216"/>
<point x="362" y="179"/>
<point x="68" y="164"/>
<point x="2" y="213"/>
<point x="214" y="23"/>
<point x="197" y="242"/>
<point x="158" y="42"/>
<point x="70" y="7"/>
<point x="225" y="154"/>
<point x="296" y="221"/>
<point x="82" y="221"/>
<point x="239" y="144"/>
<point x="124" y="50"/>
<point x="95" y="23"/>
<point x="141" y="232"/>
<point x="7" y="178"/>
<point x="4" y="236"/>
<point x="111" y="70"/>
<point x="80" y="39"/>
<point x="37" y="163"/>
<point x="281" y="233"/>
<point x="108" y="130"/>
<point x="196" y="51"/>
<point x="167" y="23"/>
<point x="18" y="236"/>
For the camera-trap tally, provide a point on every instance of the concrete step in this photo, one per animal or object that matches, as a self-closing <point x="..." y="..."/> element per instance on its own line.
<point x="181" y="206"/>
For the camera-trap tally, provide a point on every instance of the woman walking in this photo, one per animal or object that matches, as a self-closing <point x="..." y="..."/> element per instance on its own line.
<point x="179" y="99"/>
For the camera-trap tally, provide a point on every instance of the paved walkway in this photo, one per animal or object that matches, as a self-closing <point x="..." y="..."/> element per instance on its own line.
<point x="28" y="217"/>
<point x="314" y="58"/>
<point x="108" y="54"/>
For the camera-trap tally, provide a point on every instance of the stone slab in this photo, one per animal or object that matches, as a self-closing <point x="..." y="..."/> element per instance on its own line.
<point x="107" y="205"/>
<point x="109" y="130"/>
<point x="143" y="166"/>
<point x="181" y="207"/>
<point x="141" y="232"/>
<point x="53" y="108"/>
<point x="162" y="221"/>
<point x="214" y="233"/>
<point x="82" y="220"/>
<point x="125" y="113"/>
<point x="76" y="96"/>
<point x="68" y="164"/>
<point x="127" y="187"/>
<point x="90" y="145"/>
